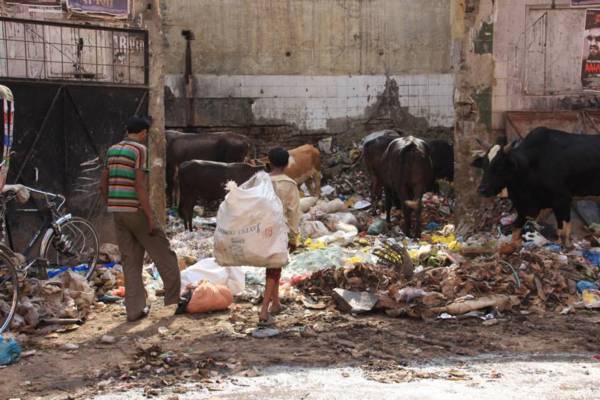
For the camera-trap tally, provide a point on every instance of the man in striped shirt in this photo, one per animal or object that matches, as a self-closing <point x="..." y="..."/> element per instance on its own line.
<point x="125" y="191"/>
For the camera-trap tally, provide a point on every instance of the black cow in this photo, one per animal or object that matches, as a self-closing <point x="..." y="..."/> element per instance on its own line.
<point x="442" y="157"/>
<point x="373" y="151"/>
<point x="408" y="174"/>
<point x="545" y="170"/>
<point x="214" y="146"/>
<point x="205" y="180"/>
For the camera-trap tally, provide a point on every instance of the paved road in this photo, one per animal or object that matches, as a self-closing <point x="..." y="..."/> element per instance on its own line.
<point x="554" y="377"/>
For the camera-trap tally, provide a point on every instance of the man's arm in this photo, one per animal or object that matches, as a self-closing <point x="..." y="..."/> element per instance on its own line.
<point x="141" y="190"/>
<point x="104" y="185"/>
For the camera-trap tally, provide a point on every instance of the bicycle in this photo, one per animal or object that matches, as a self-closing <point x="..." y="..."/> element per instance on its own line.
<point x="67" y="243"/>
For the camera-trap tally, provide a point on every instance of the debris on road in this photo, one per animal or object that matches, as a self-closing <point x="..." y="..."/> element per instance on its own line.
<point x="354" y="302"/>
<point x="107" y="339"/>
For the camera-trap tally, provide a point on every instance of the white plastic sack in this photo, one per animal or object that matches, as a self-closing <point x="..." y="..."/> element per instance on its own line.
<point x="313" y="229"/>
<point x="328" y="207"/>
<point x="251" y="228"/>
<point x="344" y="217"/>
<point x="306" y="203"/>
<point x="208" y="270"/>
<point x="345" y="234"/>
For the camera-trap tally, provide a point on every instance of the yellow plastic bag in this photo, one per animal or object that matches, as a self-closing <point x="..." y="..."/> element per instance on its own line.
<point x="443" y="239"/>
<point x="314" y="244"/>
<point x="591" y="298"/>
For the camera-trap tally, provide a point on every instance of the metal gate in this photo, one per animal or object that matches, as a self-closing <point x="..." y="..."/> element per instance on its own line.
<point x="74" y="87"/>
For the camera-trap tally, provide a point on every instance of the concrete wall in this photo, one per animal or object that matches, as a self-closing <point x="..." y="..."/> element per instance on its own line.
<point x="320" y="66"/>
<point x="310" y="37"/>
<point x="315" y="102"/>
<point x="537" y="52"/>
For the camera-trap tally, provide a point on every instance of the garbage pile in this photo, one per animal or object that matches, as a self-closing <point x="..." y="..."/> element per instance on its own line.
<point x="191" y="246"/>
<point x="536" y="281"/>
<point x="456" y="276"/>
<point x="108" y="276"/>
<point x="350" y="182"/>
<point x="69" y="296"/>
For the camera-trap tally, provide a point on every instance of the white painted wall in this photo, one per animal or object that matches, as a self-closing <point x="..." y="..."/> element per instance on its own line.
<point x="309" y="102"/>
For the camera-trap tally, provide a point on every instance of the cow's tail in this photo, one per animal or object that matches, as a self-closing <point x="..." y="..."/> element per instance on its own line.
<point x="407" y="155"/>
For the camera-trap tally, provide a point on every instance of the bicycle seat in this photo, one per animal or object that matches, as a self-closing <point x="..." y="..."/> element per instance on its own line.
<point x="20" y="191"/>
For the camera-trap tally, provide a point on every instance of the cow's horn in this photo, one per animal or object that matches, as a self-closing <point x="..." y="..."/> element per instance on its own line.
<point x="481" y="143"/>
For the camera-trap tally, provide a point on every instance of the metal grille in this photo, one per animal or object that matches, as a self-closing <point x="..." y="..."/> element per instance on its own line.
<point x="68" y="52"/>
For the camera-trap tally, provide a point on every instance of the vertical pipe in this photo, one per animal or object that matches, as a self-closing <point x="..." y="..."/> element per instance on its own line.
<point x="189" y="79"/>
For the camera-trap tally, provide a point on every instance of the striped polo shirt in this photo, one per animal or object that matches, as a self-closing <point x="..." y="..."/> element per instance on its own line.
<point x="122" y="160"/>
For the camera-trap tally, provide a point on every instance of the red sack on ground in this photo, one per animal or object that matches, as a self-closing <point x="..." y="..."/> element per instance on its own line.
<point x="209" y="297"/>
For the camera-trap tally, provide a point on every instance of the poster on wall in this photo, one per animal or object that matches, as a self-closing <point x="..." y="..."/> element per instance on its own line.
<point x="584" y="3"/>
<point x="116" y="8"/>
<point x="590" y="74"/>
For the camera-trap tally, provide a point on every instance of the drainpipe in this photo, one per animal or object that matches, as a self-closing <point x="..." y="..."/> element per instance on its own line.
<point x="189" y="79"/>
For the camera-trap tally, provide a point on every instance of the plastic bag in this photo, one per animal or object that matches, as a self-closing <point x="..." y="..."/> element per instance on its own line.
<point x="313" y="229"/>
<point x="344" y="234"/>
<point x="591" y="298"/>
<point x="251" y="228"/>
<point x="306" y="203"/>
<point x="10" y="351"/>
<point x="209" y="297"/>
<point x="330" y="207"/>
<point x="345" y="217"/>
<point x="208" y="270"/>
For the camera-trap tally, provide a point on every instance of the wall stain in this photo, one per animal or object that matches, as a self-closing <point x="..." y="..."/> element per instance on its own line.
<point x="484" y="41"/>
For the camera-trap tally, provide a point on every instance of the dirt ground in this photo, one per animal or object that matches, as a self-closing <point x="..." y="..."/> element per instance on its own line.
<point x="172" y="351"/>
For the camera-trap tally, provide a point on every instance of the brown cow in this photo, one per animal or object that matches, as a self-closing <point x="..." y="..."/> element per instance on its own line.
<point x="304" y="166"/>
<point x="212" y="146"/>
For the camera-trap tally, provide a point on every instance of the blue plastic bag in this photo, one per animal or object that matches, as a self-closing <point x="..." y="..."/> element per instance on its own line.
<point x="82" y="268"/>
<point x="593" y="256"/>
<point x="583" y="285"/>
<point x="432" y="226"/>
<point x="10" y="351"/>
<point x="556" y="248"/>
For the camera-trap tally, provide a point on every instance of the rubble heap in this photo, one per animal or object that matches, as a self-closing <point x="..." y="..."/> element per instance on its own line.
<point x="68" y="296"/>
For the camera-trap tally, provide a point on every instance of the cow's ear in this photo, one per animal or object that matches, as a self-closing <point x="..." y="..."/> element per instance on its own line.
<point x="502" y="140"/>
<point x="478" y="162"/>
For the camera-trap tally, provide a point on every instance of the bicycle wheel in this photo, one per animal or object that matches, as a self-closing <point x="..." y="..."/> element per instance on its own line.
<point x="76" y="248"/>
<point x="9" y="290"/>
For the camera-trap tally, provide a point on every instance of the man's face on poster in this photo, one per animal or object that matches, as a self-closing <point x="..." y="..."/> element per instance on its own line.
<point x="593" y="40"/>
